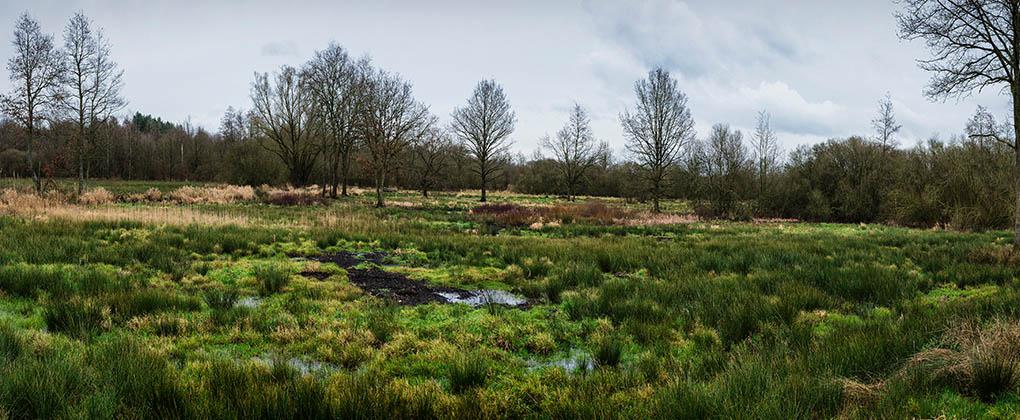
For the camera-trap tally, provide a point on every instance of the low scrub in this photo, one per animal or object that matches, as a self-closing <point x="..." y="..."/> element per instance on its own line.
<point x="515" y="215"/>
<point x="96" y="196"/>
<point x="223" y="194"/>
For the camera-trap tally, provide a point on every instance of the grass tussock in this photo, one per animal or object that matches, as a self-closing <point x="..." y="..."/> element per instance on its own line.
<point x="272" y="277"/>
<point x="979" y="360"/>
<point x="96" y="196"/>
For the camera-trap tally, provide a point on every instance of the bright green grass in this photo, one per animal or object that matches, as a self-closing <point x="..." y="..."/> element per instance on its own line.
<point x="721" y="320"/>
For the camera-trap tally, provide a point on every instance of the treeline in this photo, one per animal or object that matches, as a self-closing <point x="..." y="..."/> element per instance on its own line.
<point x="337" y="121"/>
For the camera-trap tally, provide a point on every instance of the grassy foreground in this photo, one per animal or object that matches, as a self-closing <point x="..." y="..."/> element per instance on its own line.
<point x="194" y="311"/>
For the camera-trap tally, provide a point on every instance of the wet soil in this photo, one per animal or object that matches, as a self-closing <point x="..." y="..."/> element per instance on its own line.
<point x="380" y="283"/>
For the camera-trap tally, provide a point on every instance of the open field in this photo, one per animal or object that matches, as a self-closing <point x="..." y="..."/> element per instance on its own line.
<point x="154" y="308"/>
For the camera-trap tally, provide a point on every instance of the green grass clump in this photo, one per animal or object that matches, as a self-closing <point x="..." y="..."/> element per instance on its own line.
<point x="77" y="317"/>
<point x="126" y="305"/>
<point x="468" y="372"/>
<point x="608" y="352"/>
<point x="272" y="277"/>
<point x="220" y="298"/>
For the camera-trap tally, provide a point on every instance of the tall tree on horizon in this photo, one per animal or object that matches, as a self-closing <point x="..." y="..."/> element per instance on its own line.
<point x="765" y="147"/>
<point x="658" y="129"/>
<point x="575" y="149"/>
<point x="431" y="153"/>
<point x="35" y="73"/>
<point x="484" y="127"/>
<point x="92" y="84"/>
<point x="335" y="81"/>
<point x="973" y="45"/>
<point x="283" y="113"/>
<point x="885" y="124"/>
<point x="390" y="120"/>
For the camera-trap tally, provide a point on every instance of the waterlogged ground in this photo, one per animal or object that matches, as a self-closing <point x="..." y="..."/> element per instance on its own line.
<point x="437" y="309"/>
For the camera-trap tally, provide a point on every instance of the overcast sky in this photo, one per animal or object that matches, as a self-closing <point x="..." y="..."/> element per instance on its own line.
<point x="818" y="66"/>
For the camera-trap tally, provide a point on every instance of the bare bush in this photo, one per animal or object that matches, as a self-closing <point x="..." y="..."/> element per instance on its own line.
<point x="96" y="196"/>
<point x="224" y="194"/>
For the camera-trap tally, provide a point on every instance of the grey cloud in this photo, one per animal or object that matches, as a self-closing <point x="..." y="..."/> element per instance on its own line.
<point x="280" y="48"/>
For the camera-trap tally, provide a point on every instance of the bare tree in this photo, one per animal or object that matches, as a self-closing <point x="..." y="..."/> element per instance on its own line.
<point x="235" y="126"/>
<point x="983" y="129"/>
<point x="765" y="146"/>
<point x="575" y="149"/>
<point x="973" y="46"/>
<point x="283" y="113"/>
<point x="658" y="129"/>
<point x="724" y="161"/>
<point x="390" y="120"/>
<point x="35" y="71"/>
<point x="484" y="127"/>
<point x="885" y="124"/>
<point x="431" y="154"/>
<point x="335" y="81"/>
<point x="92" y="84"/>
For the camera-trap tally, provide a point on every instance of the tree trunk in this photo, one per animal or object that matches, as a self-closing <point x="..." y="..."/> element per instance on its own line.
<point x="655" y="197"/>
<point x="81" y="174"/>
<point x="36" y="180"/>
<point x="344" y="174"/>
<point x="380" y="179"/>
<point x="1016" y="170"/>
<point x="483" y="186"/>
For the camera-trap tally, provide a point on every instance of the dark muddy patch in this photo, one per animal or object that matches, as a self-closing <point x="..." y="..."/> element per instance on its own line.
<point x="318" y="275"/>
<point x="404" y="290"/>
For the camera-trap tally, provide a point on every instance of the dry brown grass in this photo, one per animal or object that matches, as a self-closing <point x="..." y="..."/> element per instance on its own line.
<point x="221" y="194"/>
<point x="291" y="196"/>
<point x="658" y="219"/>
<point x="12" y="199"/>
<point x="508" y="214"/>
<point x="983" y="361"/>
<point x="96" y="196"/>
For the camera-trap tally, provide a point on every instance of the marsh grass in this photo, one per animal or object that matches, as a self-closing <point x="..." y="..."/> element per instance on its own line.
<point x="727" y="320"/>
<point x="272" y="277"/>
<point x="467" y="372"/>
<point x="220" y="298"/>
<point x="77" y="317"/>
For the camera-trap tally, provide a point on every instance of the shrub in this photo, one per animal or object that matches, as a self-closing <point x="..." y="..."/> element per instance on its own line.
<point x="468" y="372"/>
<point x="223" y="194"/>
<point x="153" y="195"/>
<point x="96" y="196"/>
<point x="272" y="277"/>
<point x="291" y="197"/>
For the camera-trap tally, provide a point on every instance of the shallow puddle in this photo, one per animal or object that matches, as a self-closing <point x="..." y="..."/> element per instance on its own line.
<point x="484" y="297"/>
<point x="575" y="361"/>
<point x="304" y="367"/>
<point x="250" y="302"/>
